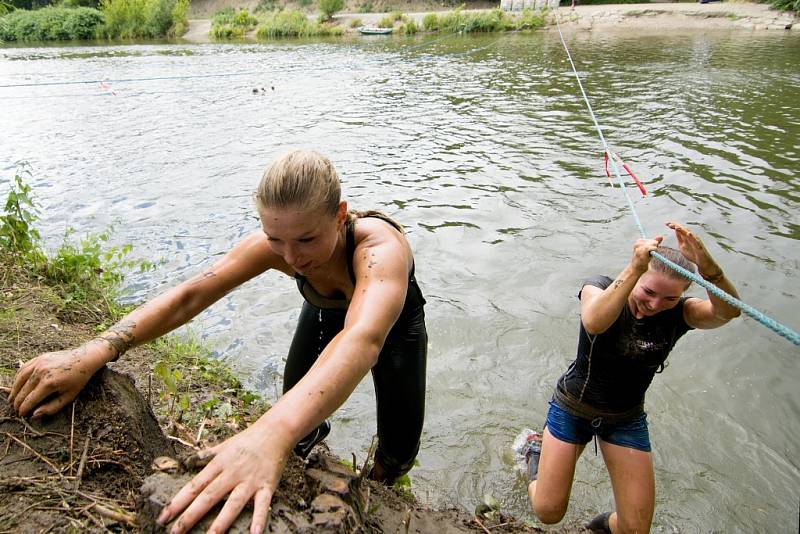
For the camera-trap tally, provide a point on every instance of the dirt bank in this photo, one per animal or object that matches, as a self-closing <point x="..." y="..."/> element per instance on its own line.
<point x="83" y="470"/>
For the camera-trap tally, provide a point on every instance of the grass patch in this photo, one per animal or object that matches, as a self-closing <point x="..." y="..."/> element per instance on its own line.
<point x="457" y="21"/>
<point x="228" y="23"/>
<point x="293" y="23"/>
<point x="494" y="20"/>
<point x="196" y="389"/>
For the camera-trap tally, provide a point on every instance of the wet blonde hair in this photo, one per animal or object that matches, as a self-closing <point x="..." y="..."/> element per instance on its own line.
<point x="307" y="179"/>
<point x="674" y="256"/>
<point x="300" y="179"/>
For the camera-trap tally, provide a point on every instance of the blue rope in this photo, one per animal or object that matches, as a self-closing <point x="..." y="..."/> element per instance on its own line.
<point x="765" y="320"/>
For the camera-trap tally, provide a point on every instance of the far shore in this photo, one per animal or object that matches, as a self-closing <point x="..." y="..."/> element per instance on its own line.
<point x="656" y="16"/>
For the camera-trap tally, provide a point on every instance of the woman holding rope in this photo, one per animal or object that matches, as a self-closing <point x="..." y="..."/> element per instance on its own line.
<point x="363" y="311"/>
<point x="628" y="327"/>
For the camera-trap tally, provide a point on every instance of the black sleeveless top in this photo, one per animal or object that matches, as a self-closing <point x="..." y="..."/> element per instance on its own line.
<point x="339" y="301"/>
<point x="613" y="370"/>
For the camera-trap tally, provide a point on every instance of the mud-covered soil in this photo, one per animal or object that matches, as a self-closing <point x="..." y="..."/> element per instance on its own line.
<point x="92" y="467"/>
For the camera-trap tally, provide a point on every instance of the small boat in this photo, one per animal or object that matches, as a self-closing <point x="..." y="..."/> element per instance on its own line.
<point x="374" y="30"/>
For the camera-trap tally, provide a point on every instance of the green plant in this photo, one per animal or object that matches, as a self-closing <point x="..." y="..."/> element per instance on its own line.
<point x="228" y="23"/>
<point x="367" y="6"/>
<point x="18" y="237"/>
<point x="90" y="274"/>
<point x="328" y="7"/>
<point x="355" y="23"/>
<point x="430" y="22"/>
<point x="408" y="28"/>
<point x="529" y="20"/>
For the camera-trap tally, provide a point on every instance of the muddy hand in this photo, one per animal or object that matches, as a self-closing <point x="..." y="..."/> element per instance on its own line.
<point x="641" y="252"/>
<point x="49" y="382"/>
<point x="246" y="467"/>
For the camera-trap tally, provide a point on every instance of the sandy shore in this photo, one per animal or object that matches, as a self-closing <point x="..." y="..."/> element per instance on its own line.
<point x="658" y="17"/>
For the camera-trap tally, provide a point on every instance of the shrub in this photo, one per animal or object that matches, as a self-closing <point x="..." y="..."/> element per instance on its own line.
<point x="355" y="23"/>
<point x="408" y="28"/>
<point x="430" y="22"/>
<point x="367" y="6"/>
<point x="143" y="18"/>
<point x="293" y="23"/>
<point x="50" y="24"/>
<point x="228" y="23"/>
<point x="328" y="7"/>
<point x="529" y="20"/>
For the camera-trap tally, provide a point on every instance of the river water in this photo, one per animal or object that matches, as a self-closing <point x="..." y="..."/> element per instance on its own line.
<point x="484" y="149"/>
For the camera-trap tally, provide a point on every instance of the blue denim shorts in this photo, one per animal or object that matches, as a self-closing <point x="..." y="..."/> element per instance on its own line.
<point x="571" y="429"/>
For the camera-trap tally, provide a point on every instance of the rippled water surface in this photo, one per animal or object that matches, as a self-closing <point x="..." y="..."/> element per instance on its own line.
<point x="483" y="148"/>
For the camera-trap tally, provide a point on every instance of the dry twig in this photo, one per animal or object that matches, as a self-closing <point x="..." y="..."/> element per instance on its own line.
<point x="83" y="462"/>
<point x="71" y="437"/>
<point x="480" y="524"/>
<point x="115" y="515"/>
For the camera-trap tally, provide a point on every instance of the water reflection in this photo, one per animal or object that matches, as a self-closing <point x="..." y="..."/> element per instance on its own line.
<point x="483" y="149"/>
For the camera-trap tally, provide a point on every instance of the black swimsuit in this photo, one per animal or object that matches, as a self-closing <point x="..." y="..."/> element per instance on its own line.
<point x="613" y="370"/>
<point x="399" y="375"/>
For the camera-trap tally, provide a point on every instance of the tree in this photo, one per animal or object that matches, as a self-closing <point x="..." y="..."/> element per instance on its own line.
<point x="329" y="7"/>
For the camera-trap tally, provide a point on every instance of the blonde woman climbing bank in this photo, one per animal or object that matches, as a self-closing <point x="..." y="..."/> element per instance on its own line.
<point x="628" y="327"/>
<point x="363" y="311"/>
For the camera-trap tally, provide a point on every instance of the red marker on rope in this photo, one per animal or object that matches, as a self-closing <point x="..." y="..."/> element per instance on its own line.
<point x="106" y="87"/>
<point x="627" y="169"/>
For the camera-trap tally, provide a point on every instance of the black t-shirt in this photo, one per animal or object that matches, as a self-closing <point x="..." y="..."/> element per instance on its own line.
<point x="624" y="358"/>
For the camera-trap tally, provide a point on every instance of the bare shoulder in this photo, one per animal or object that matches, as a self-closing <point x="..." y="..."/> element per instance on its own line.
<point x="377" y="239"/>
<point x="589" y="291"/>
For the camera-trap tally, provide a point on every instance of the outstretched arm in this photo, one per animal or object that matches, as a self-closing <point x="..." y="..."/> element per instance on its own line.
<point x="50" y="381"/>
<point x="249" y="465"/>
<point x="601" y="307"/>
<point x="700" y="313"/>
